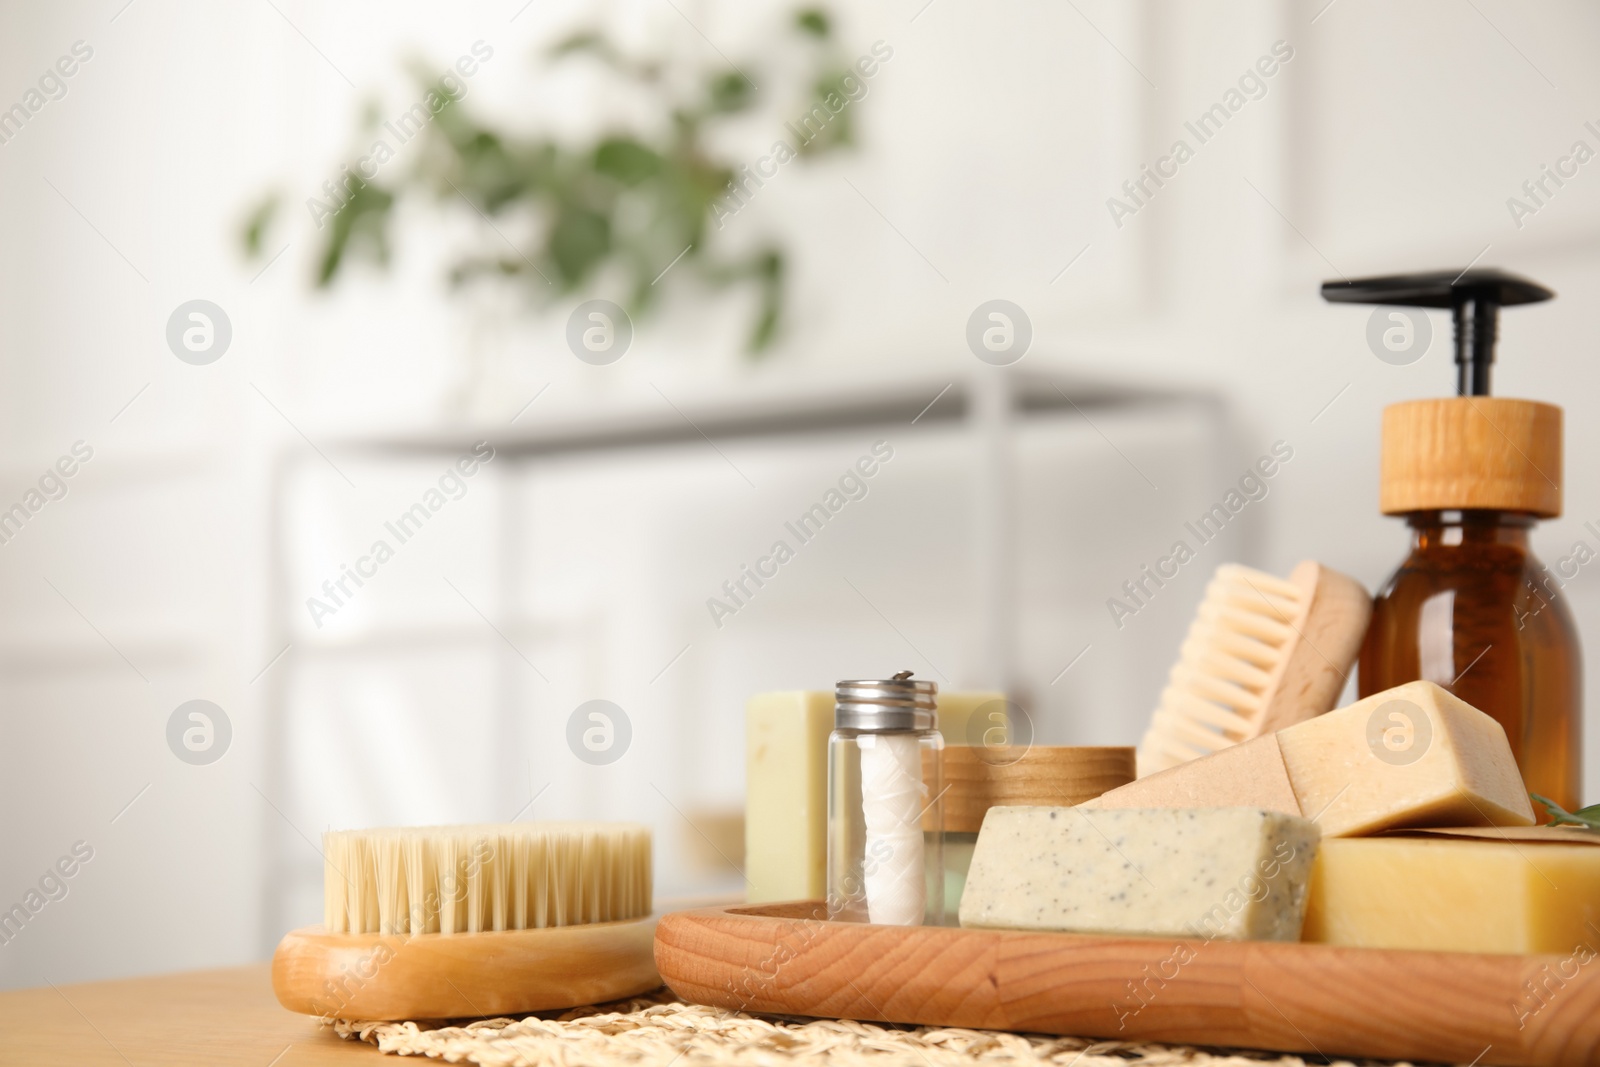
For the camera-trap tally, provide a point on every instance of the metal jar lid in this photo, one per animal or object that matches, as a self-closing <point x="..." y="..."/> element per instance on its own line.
<point x="886" y="705"/>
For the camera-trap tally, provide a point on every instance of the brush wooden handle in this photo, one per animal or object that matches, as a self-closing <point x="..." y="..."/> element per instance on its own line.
<point x="1456" y="1007"/>
<point x="457" y="976"/>
<point x="1308" y="681"/>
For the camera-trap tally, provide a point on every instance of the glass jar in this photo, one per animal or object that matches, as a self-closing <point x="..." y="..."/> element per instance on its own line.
<point x="885" y="805"/>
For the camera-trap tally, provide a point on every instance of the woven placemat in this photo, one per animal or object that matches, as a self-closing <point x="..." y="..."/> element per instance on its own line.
<point x="662" y="1030"/>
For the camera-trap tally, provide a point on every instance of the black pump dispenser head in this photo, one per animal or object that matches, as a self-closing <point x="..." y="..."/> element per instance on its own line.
<point x="1474" y="298"/>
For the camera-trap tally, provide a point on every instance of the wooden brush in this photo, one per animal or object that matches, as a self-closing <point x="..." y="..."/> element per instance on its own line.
<point x="446" y="922"/>
<point x="1262" y="653"/>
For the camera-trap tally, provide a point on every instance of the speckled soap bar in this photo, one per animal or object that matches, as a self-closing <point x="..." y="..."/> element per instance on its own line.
<point x="1233" y="873"/>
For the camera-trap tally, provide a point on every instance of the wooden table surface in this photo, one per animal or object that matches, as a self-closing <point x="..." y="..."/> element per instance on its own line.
<point x="200" y="1017"/>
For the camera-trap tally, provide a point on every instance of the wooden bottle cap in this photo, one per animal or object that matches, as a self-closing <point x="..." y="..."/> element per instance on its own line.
<point x="1461" y="452"/>
<point x="977" y="778"/>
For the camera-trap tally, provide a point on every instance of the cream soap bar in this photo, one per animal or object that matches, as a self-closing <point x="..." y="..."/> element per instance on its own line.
<point x="1411" y="756"/>
<point x="1456" y="894"/>
<point x="1231" y="873"/>
<point x="973" y="718"/>
<point x="786" y="795"/>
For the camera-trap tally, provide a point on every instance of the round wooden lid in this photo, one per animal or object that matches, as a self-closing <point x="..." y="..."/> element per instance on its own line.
<point x="1461" y="452"/>
<point x="978" y="778"/>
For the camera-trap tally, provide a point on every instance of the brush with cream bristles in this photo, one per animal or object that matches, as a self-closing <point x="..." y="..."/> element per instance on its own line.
<point x="1262" y="653"/>
<point x="455" y="921"/>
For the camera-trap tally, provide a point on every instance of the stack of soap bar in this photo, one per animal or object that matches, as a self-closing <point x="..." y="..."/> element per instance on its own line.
<point x="1411" y="756"/>
<point x="1537" y="891"/>
<point x="1230" y="873"/>
<point x="786" y="784"/>
<point x="786" y="795"/>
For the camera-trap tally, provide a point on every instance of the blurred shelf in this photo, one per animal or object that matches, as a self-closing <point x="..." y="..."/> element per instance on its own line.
<point x="24" y="655"/>
<point x="775" y="407"/>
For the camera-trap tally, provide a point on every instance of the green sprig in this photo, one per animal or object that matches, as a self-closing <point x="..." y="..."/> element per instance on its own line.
<point x="1588" y="818"/>
<point x="617" y="206"/>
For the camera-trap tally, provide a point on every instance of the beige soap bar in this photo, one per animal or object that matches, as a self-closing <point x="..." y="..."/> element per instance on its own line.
<point x="1230" y="873"/>
<point x="1411" y="756"/>
<point x="1414" y="755"/>
<point x="1249" y="775"/>
<point x="786" y="795"/>
<point x="1538" y="892"/>
<point x="974" y="717"/>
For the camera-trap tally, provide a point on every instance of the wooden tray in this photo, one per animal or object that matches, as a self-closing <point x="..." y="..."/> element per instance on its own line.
<point x="1317" y="999"/>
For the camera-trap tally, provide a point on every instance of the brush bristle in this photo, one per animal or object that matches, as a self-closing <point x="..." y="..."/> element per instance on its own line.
<point x="471" y="879"/>
<point x="1218" y="689"/>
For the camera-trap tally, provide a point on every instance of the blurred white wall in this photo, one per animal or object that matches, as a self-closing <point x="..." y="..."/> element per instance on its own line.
<point x="993" y="139"/>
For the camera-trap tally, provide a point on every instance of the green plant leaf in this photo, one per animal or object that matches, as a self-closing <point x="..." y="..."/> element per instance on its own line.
<point x="361" y="225"/>
<point x="731" y="92"/>
<point x="813" y="20"/>
<point x="1588" y="818"/>
<point x="767" y="267"/>
<point x="257" y="224"/>
<point x="832" y="115"/>
<point x="582" y="41"/>
<point x="579" y="240"/>
<point x="626" y="160"/>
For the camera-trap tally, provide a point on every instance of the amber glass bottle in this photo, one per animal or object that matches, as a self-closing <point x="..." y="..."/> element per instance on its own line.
<point x="1473" y="610"/>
